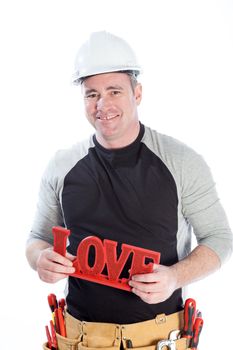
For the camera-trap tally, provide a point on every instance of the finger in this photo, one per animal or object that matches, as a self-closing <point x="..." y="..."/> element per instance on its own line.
<point x="51" y="277"/>
<point x="144" y="287"/>
<point x="57" y="267"/>
<point x="54" y="266"/>
<point x="51" y="261"/>
<point x="149" y="298"/>
<point x="146" y="277"/>
<point x="55" y="257"/>
<point x="70" y="256"/>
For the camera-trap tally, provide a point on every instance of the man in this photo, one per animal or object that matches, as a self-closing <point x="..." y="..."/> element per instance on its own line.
<point x="129" y="184"/>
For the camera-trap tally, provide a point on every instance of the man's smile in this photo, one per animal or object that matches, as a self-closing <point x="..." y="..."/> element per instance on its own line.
<point x="107" y="117"/>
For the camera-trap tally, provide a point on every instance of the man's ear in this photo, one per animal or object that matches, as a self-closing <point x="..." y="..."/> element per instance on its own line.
<point x="138" y="93"/>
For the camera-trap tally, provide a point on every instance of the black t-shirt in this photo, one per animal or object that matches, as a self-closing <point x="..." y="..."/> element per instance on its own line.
<point x="129" y="196"/>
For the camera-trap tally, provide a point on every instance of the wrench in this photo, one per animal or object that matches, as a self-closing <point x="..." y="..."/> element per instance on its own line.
<point x="175" y="334"/>
<point x="166" y="342"/>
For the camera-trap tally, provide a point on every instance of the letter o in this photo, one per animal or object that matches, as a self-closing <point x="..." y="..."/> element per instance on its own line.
<point x="83" y="253"/>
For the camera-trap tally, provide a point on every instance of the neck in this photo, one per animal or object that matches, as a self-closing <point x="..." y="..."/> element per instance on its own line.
<point x="122" y="141"/>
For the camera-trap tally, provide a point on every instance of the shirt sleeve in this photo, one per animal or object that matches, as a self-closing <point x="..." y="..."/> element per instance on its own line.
<point x="202" y="208"/>
<point x="48" y="211"/>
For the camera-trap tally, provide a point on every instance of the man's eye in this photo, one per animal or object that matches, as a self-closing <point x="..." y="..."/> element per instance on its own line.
<point x="116" y="92"/>
<point x="90" y="96"/>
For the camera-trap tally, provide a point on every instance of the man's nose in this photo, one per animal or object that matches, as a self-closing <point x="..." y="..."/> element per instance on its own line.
<point x="103" y="103"/>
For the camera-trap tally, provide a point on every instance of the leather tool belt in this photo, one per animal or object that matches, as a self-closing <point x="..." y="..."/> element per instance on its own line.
<point x="82" y="335"/>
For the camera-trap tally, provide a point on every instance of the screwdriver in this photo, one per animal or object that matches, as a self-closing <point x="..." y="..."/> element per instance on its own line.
<point x="54" y="338"/>
<point x="62" y="304"/>
<point x="62" y="328"/>
<point x="48" y="337"/>
<point x="52" y="300"/>
<point x="189" y="317"/>
<point x="197" y="328"/>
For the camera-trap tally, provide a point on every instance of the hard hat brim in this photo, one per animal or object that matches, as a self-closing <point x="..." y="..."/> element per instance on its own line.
<point x="77" y="79"/>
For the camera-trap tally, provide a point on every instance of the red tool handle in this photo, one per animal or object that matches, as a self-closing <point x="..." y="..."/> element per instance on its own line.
<point x="52" y="300"/>
<point x="197" y="328"/>
<point x="57" y="322"/>
<point x="48" y="337"/>
<point x="54" y="338"/>
<point x="189" y="317"/>
<point x="62" y="304"/>
<point x="61" y="322"/>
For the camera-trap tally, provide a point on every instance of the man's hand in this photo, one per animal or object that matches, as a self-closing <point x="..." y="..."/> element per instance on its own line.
<point x="52" y="267"/>
<point x="157" y="286"/>
<point x="154" y="287"/>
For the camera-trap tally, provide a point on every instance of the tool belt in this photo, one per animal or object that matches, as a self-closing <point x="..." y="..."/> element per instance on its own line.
<point x="82" y="335"/>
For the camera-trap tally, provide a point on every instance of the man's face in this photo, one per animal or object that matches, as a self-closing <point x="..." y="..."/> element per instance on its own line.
<point x="111" y="107"/>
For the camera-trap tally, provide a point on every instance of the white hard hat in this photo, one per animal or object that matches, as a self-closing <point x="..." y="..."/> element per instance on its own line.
<point x="104" y="52"/>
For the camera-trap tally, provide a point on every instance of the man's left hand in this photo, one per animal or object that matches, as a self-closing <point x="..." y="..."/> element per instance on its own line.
<point x="155" y="287"/>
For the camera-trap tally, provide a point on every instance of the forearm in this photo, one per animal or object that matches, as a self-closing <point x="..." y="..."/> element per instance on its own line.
<point x="201" y="262"/>
<point x="33" y="251"/>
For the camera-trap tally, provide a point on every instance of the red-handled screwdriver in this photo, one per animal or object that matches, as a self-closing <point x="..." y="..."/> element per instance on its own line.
<point x="52" y="300"/>
<point x="53" y="336"/>
<point x="189" y="317"/>
<point x="62" y="328"/>
<point x="197" y="328"/>
<point x="57" y="323"/>
<point x="62" y="304"/>
<point x="48" y="337"/>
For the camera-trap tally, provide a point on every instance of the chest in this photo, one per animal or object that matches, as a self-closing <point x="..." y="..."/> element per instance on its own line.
<point x="107" y="191"/>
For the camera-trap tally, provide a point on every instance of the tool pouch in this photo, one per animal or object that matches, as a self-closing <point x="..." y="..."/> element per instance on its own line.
<point x="181" y="344"/>
<point x="64" y="343"/>
<point x="81" y="346"/>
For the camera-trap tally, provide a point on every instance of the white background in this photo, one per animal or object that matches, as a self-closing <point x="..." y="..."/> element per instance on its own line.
<point x="186" y="50"/>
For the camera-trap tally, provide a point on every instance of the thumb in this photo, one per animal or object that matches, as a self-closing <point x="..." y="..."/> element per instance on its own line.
<point x="155" y="267"/>
<point x="70" y="256"/>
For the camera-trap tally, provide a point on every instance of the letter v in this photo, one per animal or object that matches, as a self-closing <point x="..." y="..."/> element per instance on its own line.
<point x="115" y="266"/>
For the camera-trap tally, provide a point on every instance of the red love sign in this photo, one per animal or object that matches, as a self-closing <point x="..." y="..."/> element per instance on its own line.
<point x="105" y="256"/>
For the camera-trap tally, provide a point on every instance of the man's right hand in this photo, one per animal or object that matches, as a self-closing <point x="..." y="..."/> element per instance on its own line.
<point x="52" y="267"/>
